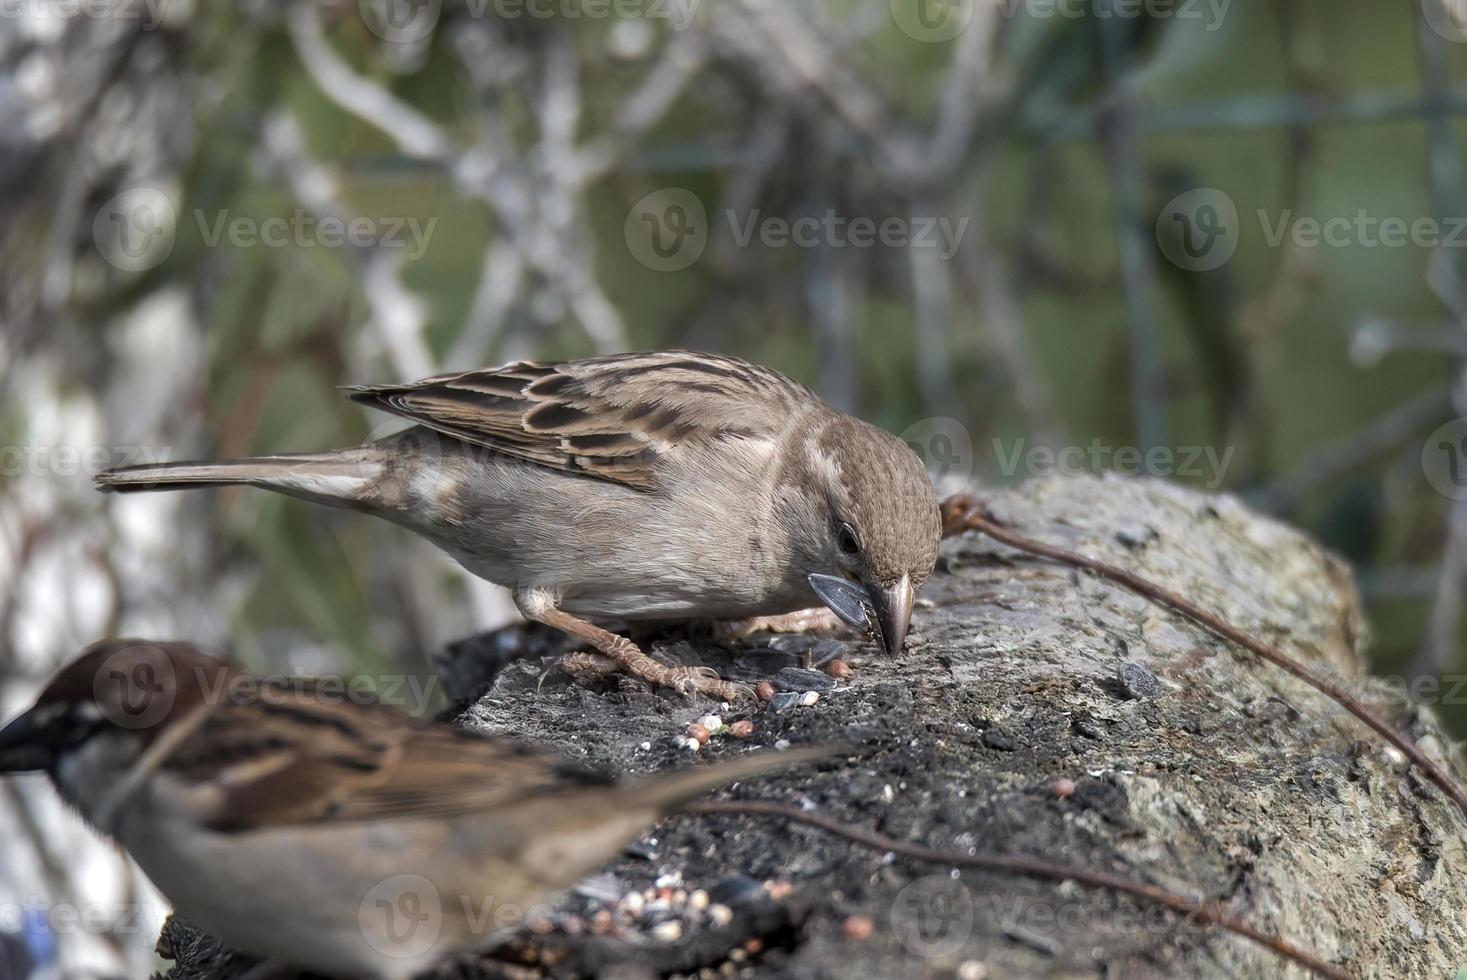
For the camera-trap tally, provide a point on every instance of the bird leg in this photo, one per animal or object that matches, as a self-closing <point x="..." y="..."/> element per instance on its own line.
<point x="620" y="654"/>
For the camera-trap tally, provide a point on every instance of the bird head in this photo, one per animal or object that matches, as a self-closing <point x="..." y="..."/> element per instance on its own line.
<point x="877" y="526"/>
<point x="113" y="701"/>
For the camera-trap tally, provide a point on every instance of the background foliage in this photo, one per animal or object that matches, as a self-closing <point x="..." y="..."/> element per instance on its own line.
<point x="538" y="145"/>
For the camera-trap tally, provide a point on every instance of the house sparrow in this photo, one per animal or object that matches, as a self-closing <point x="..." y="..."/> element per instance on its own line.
<point x="327" y="834"/>
<point x="632" y="487"/>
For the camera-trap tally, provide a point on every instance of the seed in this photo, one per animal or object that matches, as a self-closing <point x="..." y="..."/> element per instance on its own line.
<point x="698" y="900"/>
<point x="764" y="691"/>
<point x="668" y="932"/>
<point x="721" y="915"/>
<point x="1062" y="788"/>
<point x="742" y="729"/>
<point x="838" y="669"/>
<point x="699" y="732"/>
<point x="711" y="722"/>
<point x="857" y="928"/>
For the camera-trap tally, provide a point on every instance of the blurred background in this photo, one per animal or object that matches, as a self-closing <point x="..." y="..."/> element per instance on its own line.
<point x="1215" y="241"/>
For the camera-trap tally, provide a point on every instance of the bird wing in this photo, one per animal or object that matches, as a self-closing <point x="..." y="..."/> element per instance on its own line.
<point x="292" y="757"/>
<point x="614" y="418"/>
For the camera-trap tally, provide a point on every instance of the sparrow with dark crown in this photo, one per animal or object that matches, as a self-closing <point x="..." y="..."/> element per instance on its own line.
<point x="328" y="833"/>
<point x="669" y="485"/>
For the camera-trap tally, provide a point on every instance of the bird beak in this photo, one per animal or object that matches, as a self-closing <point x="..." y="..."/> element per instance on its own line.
<point x="893" y="604"/>
<point x="887" y="610"/>
<point x="23" y="745"/>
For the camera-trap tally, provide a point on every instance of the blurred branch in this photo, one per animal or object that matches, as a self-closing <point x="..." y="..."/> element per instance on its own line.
<point x="1345" y="455"/>
<point x="398" y="316"/>
<point x="414" y="133"/>
<point x="1138" y="272"/>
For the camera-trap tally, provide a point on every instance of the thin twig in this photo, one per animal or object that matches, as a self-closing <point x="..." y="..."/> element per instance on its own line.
<point x="962" y="513"/>
<point x="1207" y="913"/>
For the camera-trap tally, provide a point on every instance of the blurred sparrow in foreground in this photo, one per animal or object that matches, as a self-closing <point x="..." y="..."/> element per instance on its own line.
<point x="325" y="833"/>
<point x="660" y="486"/>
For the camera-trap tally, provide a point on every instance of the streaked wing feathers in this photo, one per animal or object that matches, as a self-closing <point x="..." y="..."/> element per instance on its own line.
<point x="613" y="417"/>
<point x="304" y="760"/>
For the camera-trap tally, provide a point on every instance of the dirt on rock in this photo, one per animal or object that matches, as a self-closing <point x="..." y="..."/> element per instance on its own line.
<point x="1038" y="711"/>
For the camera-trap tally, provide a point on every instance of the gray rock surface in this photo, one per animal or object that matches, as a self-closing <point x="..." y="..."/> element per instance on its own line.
<point x="1188" y="765"/>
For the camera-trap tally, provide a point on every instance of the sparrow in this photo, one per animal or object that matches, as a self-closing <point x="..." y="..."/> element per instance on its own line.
<point x="327" y="834"/>
<point x="669" y="485"/>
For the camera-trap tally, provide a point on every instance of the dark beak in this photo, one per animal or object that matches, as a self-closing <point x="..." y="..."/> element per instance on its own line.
<point x="24" y="746"/>
<point x="893" y="612"/>
<point x="885" y="610"/>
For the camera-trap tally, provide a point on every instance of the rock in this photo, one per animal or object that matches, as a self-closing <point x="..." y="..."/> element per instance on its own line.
<point x="1298" y="821"/>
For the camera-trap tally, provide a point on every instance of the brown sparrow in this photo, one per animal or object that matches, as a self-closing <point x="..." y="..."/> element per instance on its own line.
<point x="659" y="486"/>
<point x="327" y="834"/>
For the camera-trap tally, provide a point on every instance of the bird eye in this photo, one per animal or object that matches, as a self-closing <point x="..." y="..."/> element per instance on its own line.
<point x="845" y="536"/>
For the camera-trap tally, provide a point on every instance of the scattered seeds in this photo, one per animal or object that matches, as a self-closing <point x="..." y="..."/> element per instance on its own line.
<point x="741" y="729"/>
<point x="778" y="890"/>
<point x="692" y="744"/>
<point x="764" y="691"/>
<point x="809" y="698"/>
<point x="713" y="723"/>
<point x="1062" y="788"/>
<point x="668" y="932"/>
<point x="721" y="915"/>
<point x="838" y="669"/>
<point x="698" y="900"/>
<point x="699" y="732"/>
